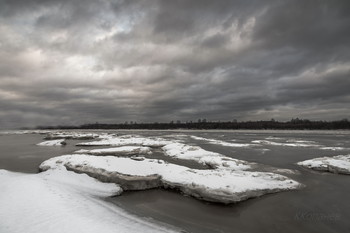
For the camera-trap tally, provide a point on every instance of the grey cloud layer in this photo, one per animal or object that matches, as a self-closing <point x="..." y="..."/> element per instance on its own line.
<point x="71" y="62"/>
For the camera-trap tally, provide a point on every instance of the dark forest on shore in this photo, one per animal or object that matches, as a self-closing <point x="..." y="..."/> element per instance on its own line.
<point x="294" y="124"/>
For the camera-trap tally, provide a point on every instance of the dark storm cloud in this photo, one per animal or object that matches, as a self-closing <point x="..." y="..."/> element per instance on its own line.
<point x="109" y="61"/>
<point x="310" y="24"/>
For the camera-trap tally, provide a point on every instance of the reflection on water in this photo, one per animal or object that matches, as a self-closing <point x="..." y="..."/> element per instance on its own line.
<point x="320" y="207"/>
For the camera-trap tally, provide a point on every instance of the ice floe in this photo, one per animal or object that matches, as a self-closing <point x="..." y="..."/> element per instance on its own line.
<point x="58" y="142"/>
<point x="291" y="144"/>
<point x="211" y="159"/>
<point x="222" y="143"/>
<point x="334" y="148"/>
<point x="336" y="164"/>
<point x="219" y="185"/>
<point x="285" y="171"/>
<point x="298" y="143"/>
<point x="301" y="141"/>
<point x="127" y="140"/>
<point x="71" y="135"/>
<point x="274" y="138"/>
<point x="118" y="151"/>
<point x="58" y="201"/>
<point x="19" y="132"/>
<point x="171" y="148"/>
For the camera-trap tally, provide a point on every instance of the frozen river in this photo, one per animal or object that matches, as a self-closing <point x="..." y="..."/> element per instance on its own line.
<point x="322" y="206"/>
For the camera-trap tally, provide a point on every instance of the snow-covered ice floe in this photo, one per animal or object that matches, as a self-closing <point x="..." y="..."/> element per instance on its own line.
<point x="285" y="171"/>
<point x="336" y="164"/>
<point x="298" y="143"/>
<point x="219" y="185"/>
<point x="127" y="140"/>
<point x="118" y="151"/>
<point x="58" y="201"/>
<point x="71" y="135"/>
<point x="58" y="142"/>
<point x="274" y="138"/>
<point x="211" y="159"/>
<point x="301" y="141"/>
<point x="19" y="132"/>
<point x="223" y="143"/>
<point x="334" y="148"/>
<point x="171" y="148"/>
<point x="291" y="144"/>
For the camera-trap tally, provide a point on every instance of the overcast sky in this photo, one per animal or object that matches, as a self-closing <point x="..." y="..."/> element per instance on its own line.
<point x="82" y="61"/>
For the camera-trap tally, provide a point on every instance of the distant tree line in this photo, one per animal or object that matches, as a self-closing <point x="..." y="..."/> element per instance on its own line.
<point x="294" y="124"/>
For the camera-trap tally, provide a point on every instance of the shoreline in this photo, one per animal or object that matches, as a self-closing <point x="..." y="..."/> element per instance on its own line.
<point x="284" y="131"/>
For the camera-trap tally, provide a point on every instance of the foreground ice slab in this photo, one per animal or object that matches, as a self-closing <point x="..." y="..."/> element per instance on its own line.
<point x="59" y="201"/>
<point x="127" y="140"/>
<point x="59" y="142"/>
<point x="220" y="185"/>
<point x="211" y="159"/>
<point x="337" y="164"/>
<point x="118" y="151"/>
